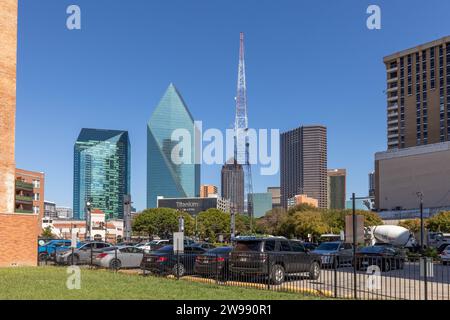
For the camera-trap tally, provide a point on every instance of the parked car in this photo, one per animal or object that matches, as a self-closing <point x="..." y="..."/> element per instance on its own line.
<point x="273" y="257"/>
<point x="387" y="258"/>
<point x="310" y="245"/>
<point x="152" y="245"/>
<point x="204" y="245"/>
<point x="445" y="255"/>
<point x="214" y="263"/>
<point x="48" y="249"/>
<point x="119" y="257"/>
<point x="128" y="243"/>
<point x="81" y="255"/>
<point x="165" y="261"/>
<point x="335" y="254"/>
<point x="442" y="247"/>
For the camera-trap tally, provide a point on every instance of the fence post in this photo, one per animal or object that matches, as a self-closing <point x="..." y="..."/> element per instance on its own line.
<point x="178" y="265"/>
<point x="217" y="269"/>
<point x="268" y="271"/>
<point x="92" y="255"/>
<point x="425" y="273"/>
<point x="115" y="257"/>
<point x="335" y="280"/>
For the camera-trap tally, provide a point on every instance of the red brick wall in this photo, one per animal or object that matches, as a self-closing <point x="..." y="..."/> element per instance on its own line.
<point x="18" y="240"/>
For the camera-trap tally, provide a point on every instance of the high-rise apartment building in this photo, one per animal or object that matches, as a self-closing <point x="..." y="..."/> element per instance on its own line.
<point x="336" y="188"/>
<point x="303" y="157"/>
<point x="168" y="177"/>
<point x="418" y="95"/>
<point x="207" y="190"/>
<point x="101" y="172"/>
<point x="232" y="185"/>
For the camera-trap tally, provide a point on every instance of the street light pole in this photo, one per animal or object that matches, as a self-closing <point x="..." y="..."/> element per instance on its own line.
<point x="88" y="220"/>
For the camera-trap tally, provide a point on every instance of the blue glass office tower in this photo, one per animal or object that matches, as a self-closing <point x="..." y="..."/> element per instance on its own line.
<point x="101" y="172"/>
<point x="164" y="177"/>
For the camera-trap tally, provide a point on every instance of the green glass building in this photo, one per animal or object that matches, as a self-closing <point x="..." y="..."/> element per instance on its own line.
<point x="101" y="171"/>
<point x="262" y="202"/>
<point x="165" y="177"/>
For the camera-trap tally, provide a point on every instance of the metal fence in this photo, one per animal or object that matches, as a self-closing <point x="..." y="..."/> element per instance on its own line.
<point x="332" y="276"/>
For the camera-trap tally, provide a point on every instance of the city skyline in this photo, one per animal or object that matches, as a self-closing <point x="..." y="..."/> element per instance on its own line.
<point x="278" y="50"/>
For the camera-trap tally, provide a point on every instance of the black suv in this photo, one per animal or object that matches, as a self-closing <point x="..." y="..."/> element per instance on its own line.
<point x="274" y="258"/>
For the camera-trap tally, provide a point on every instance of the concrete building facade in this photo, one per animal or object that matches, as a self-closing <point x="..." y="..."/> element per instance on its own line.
<point x="401" y="174"/>
<point x="276" y="196"/>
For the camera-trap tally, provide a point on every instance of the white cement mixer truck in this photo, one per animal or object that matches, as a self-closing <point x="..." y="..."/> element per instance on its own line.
<point x="390" y="234"/>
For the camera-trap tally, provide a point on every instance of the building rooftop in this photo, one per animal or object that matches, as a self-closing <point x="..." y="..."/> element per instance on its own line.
<point x="416" y="48"/>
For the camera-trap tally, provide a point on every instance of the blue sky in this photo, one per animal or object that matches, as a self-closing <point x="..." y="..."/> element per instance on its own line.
<point x="308" y="62"/>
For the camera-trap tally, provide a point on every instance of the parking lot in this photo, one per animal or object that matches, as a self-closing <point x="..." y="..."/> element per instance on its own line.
<point x="406" y="284"/>
<point x="328" y="275"/>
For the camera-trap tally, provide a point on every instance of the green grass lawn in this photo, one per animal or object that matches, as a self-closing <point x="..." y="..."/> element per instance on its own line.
<point x="49" y="283"/>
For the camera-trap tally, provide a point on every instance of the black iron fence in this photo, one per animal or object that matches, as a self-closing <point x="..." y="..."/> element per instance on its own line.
<point x="365" y="277"/>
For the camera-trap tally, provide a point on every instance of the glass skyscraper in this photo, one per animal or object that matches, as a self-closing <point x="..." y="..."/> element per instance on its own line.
<point x="101" y="171"/>
<point x="165" y="177"/>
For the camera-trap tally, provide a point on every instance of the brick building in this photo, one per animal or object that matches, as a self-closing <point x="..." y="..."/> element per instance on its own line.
<point x="18" y="241"/>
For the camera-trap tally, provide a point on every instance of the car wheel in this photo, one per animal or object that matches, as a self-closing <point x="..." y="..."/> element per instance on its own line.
<point x="178" y="270"/>
<point x="115" y="264"/>
<point x="277" y="274"/>
<point x="43" y="256"/>
<point x="314" y="271"/>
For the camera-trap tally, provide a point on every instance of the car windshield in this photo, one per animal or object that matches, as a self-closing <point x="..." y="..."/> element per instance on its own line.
<point x="373" y="249"/>
<point x="248" y="246"/>
<point x="328" y="246"/>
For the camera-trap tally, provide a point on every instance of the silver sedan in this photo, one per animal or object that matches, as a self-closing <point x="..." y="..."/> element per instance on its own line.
<point x="119" y="257"/>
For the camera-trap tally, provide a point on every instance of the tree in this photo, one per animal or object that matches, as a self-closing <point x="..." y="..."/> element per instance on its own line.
<point x="302" y="224"/>
<point x="242" y="224"/>
<point x="270" y="223"/>
<point x="162" y="222"/>
<point x="412" y="225"/>
<point x="47" y="233"/>
<point x="439" y="222"/>
<point x="213" y="222"/>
